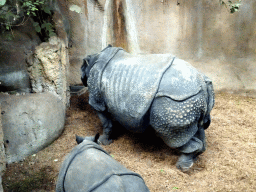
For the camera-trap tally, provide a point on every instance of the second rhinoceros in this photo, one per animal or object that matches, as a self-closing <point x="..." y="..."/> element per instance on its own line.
<point x="89" y="168"/>
<point x="156" y="90"/>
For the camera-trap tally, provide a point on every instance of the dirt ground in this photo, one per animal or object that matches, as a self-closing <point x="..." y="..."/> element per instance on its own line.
<point x="229" y="163"/>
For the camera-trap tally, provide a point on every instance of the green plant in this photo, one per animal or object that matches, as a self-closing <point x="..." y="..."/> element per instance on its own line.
<point x="233" y="5"/>
<point x="16" y="12"/>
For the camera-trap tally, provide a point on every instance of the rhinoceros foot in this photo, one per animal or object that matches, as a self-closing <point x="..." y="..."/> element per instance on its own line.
<point x="185" y="162"/>
<point x="104" y="140"/>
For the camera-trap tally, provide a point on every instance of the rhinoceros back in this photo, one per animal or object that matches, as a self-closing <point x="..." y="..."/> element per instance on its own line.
<point x="129" y="84"/>
<point x="88" y="168"/>
<point x="181" y="81"/>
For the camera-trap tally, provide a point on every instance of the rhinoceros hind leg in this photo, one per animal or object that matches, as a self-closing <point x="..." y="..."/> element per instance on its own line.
<point x="104" y="140"/>
<point x="191" y="150"/>
<point x="186" y="161"/>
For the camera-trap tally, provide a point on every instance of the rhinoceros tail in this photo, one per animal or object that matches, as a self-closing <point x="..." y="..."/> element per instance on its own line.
<point x="211" y="101"/>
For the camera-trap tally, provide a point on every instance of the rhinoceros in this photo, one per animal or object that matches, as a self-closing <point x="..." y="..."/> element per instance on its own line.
<point x="157" y="90"/>
<point x="89" y="168"/>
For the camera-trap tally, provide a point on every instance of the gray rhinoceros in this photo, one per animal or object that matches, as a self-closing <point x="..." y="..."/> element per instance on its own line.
<point x="88" y="168"/>
<point x="155" y="90"/>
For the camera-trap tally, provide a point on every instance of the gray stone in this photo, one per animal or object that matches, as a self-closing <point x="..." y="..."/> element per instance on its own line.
<point x="1" y="187"/>
<point x="14" y="49"/>
<point x="30" y="122"/>
<point x="2" y="154"/>
<point x="2" y="150"/>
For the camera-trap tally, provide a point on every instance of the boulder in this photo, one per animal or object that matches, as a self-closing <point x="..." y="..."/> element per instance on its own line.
<point x="30" y="122"/>
<point x="2" y="154"/>
<point x="1" y="187"/>
<point x="14" y="48"/>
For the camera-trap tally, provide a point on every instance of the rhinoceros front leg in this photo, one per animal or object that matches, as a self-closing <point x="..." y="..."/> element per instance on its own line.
<point x="107" y="128"/>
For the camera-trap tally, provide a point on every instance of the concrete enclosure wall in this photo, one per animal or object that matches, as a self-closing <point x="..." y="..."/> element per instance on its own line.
<point x="203" y="32"/>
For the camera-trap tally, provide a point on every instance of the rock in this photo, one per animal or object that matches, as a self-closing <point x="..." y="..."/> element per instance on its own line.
<point x="30" y="123"/>
<point x="48" y="69"/>
<point x="2" y="150"/>
<point x="14" y="49"/>
<point x="2" y="154"/>
<point x="61" y="23"/>
<point x="1" y="187"/>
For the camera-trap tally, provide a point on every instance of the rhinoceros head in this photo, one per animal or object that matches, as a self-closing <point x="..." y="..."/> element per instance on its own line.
<point x="88" y="62"/>
<point x="93" y="138"/>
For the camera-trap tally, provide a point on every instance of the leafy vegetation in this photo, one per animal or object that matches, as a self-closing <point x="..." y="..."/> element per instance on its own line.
<point x="16" y="12"/>
<point x="233" y="6"/>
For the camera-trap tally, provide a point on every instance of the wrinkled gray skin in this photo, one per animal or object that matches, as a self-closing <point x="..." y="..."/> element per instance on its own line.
<point x="88" y="168"/>
<point x="156" y="90"/>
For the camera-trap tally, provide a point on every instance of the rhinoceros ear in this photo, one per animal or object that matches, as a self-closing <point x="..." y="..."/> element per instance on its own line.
<point x="96" y="138"/>
<point x="106" y="47"/>
<point x="79" y="139"/>
<point x="85" y="62"/>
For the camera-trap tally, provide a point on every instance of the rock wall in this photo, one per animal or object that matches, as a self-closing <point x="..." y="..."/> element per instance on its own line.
<point x="48" y="69"/>
<point x="14" y="48"/>
<point x="2" y="153"/>
<point x="86" y="19"/>
<point x="220" y="44"/>
<point x="203" y="32"/>
<point x="31" y="121"/>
